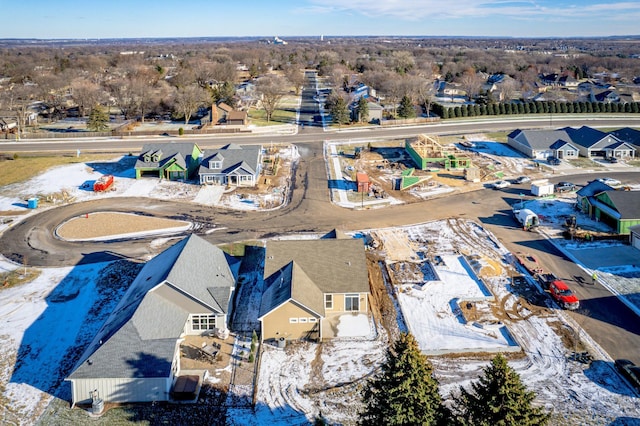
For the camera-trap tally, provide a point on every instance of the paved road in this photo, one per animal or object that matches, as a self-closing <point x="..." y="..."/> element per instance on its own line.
<point x="309" y="134"/>
<point x="604" y="317"/>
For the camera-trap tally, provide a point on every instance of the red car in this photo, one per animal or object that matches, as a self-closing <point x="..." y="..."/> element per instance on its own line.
<point x="563" y="295"/>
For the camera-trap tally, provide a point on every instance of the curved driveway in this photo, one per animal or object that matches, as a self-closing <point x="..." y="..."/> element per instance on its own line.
<point x="606" y="319"/>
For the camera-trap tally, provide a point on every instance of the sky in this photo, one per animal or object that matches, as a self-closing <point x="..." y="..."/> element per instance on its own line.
<point x="47" y="19"/>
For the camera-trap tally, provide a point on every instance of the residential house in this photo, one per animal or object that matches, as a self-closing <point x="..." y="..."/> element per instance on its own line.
<point x="237" y="118"/>
<point x="8" y="121"/>
<point x="586" y="196"/>
<point x="541" y="144"/>
<point x="634" y="236"/>
<point x="375" y="111"/>
<point x="135" y="357"/>
<point x="232" y="165"/>
<point x="220" y="112"/>
<point x="595" y="143"/>
<point x="558" y="80"/>
<point x="618" y="209"/>
<point x="310" y="286"/>
<point x="606" y="96"/>
<point x="168" y="160"/>
<point x="569" y="143"/>
<point x="630" y="136"/>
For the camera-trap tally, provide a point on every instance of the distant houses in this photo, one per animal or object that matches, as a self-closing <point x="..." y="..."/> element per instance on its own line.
<point x="231" y="165"/>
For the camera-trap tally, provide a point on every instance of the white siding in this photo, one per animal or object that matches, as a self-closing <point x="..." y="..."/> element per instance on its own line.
<point x="121" y="389"/>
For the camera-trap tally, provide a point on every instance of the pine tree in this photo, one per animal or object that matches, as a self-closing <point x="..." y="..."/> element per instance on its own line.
<point x="339" y="111"/>
<point x="406" y="110"/>
<point x="98" y="120"/>
<point x="406" y="392"/>
<point x="363" y="110"/>
<point x="498" y="399"/>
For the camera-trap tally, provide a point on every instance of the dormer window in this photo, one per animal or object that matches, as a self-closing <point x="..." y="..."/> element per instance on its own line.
<point x="215" y="164"/>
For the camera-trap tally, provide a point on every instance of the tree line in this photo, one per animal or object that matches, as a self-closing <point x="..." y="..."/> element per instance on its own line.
<point x="537" y="107"/>
<point x="146" y="80"/>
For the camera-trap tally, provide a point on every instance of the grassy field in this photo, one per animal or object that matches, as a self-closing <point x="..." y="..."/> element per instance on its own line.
<point x="584" y="163"/>
<point x="20" y="167"/>
<point x="280" y="116"/>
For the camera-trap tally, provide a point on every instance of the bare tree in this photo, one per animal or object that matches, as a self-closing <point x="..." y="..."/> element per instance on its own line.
<point x="294" y="74"/>
<point x="86" y="94"/>
<point x="471" y="83"/>
<point x="272" y="89"/>
<point x="189" y="99"/>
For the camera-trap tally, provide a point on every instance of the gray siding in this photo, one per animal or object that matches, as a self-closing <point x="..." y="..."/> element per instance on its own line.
<point x="121" y="389"/>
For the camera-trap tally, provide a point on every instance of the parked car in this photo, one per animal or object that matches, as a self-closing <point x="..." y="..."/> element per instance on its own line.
<point x="565" y="187"/>
<point x="630" y="371"/>
<point x="610" y="181"/>
<point x="500" y="184"/>
<point x="553" y="161"/>
<point x="612" y="159"/>
<point x="522" y="179"/>
<point x="562" y="294"/>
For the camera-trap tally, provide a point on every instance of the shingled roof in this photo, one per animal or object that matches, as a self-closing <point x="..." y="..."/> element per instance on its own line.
<point x="139" y="338"/>
<point x="334" y="265"/>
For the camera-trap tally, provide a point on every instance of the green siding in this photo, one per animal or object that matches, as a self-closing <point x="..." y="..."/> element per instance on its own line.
<point x="624" y="225"/>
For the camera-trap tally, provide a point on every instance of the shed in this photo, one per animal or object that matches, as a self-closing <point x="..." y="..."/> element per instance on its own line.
<point x="362" y="180"/>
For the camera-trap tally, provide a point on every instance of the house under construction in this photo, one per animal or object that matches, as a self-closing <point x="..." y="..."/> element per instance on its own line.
<point x="427" y="152"/>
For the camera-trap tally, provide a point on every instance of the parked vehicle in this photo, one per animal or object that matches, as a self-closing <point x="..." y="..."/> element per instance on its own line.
<point x="610" y="181"/>
<point x="562" y="294"/>
<point x="630" y="371"/>
<point x="527" y="218"/>
<point x="500" y="184"/>
<point x="553" y="161"/>
<point x="522" y="179"/>
<point x="565" y="187"/>
<point x="545" y="279"/>
<point x="541" y="187"/>
<point x="612" y="159"/>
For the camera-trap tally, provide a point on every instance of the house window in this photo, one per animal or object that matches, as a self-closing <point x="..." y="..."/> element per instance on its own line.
<point x="312" y="319"/>
<point x="293" y="320"/>
<point x="215" y="164"/>
<point x="203" y="322"/>
<point x="352" y="302"/>
<point x="302" y="320"/>
<point x="328" y="301"/>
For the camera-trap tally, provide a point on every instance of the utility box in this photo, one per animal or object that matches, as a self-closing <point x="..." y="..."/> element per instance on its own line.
<point x="542" y="187"/>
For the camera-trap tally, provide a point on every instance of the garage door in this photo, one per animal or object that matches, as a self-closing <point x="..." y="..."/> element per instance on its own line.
<point x="635" y="241"/>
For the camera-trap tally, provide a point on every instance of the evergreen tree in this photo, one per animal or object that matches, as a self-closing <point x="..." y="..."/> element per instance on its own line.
<point x="634" y="108"/>
<point x="98" y="120"/>
<point x="339" y="111"/>
<point x="498" y="398"/>
<point x="406" y="392"/>
<point x="363" y="110"/>
<point x="406" y="110"/>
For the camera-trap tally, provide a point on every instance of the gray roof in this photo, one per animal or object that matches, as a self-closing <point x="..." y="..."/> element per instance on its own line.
<point x="627" y="203"/>
<point x="335" y="266"/>
<point x="629" y="135"/>
<point x="291" y="283"/>
<point x="586" y="136"/>
<point x="540" y="139"/>
<point x="233" y="157"/>
<point x="592" y="188"/>
<point x="181" y="152"/>
<point x="150" y="318"/>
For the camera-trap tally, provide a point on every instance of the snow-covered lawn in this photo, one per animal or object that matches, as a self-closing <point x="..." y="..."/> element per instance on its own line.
<point x="45" y="324"/>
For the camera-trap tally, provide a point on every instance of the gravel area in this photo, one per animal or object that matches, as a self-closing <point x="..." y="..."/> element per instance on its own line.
<point x="102" y="225"/>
